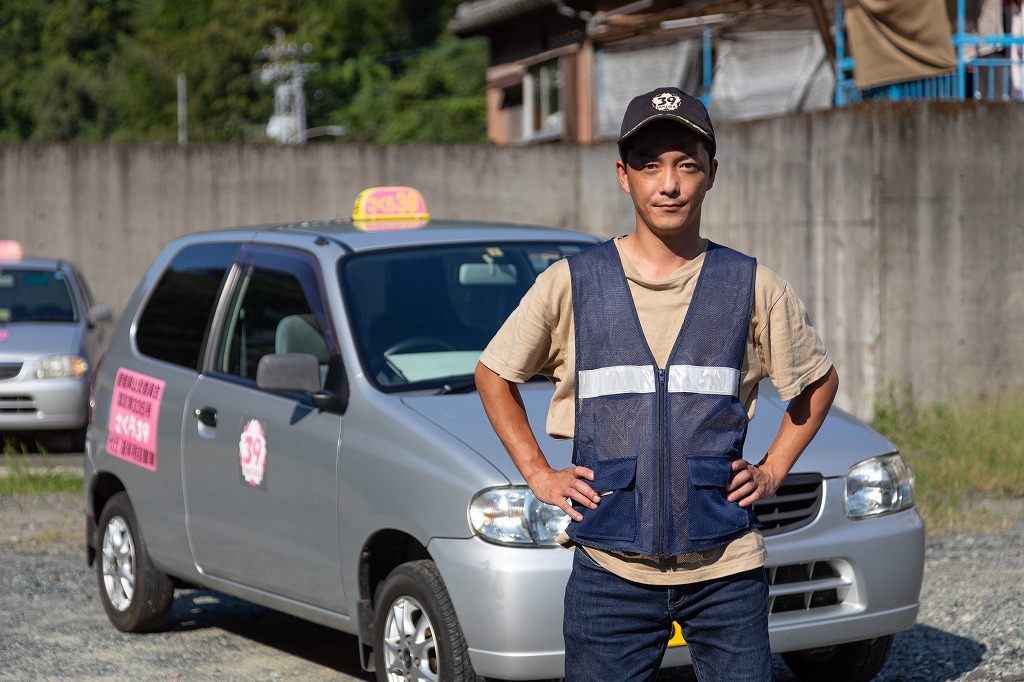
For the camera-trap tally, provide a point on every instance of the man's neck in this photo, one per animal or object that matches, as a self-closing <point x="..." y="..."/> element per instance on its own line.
<point x="656" y="258"/>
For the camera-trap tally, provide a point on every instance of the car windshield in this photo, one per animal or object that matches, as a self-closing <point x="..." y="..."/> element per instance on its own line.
<point x="422" y="316"/>
<point x="35" y="296"/>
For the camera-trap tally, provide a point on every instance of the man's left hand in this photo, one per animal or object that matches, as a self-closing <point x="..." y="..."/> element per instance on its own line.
<point x="750" y="483"/>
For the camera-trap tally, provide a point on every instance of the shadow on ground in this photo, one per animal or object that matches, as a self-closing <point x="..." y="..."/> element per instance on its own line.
<point x="37" y="442"/>
<point x="200" y="609"/>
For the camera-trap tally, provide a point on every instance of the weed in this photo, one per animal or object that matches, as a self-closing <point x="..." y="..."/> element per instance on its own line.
<point x="963" y="454"/>
<point x="23" y="478"/>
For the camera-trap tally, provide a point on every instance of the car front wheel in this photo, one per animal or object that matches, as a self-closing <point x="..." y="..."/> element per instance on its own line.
<point x="135" y="594"/>
<point x="852" y="662"/>
<point x="416" y="634"/>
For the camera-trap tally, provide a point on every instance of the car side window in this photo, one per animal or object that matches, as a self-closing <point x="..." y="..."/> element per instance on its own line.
<point x="270" y="312"/>
<point x="173" y="323"/>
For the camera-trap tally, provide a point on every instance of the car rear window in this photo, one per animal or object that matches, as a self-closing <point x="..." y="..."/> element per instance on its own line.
<point x="174" y="321"/>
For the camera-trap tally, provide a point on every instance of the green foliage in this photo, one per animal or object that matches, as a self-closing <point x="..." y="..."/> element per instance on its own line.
<point x="19" y="478"/>
<point x="438" y="98"/>
<point x="108" y="69"/>
<point x="968" y="457"/>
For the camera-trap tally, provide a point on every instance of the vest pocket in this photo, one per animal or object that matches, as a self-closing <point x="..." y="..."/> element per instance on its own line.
<point x="615" y="516"/>
<point x="711" y="515"/>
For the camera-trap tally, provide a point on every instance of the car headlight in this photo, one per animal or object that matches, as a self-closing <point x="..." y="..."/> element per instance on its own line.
<point x="61" y="367"/>
<point x="880" y="485"/>
<point x="514" y="516"/>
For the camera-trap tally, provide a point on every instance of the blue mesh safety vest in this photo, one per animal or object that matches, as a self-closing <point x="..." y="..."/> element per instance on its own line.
<point x="660" y="441"/>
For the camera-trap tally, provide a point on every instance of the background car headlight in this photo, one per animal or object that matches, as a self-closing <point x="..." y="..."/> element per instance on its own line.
<point x="879" y="485"/>
<point x="61" y="367"/>
<point x="514" y="516"/>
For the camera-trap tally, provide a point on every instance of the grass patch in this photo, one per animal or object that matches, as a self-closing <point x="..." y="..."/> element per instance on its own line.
<point x="22" y="478"/>
<point x="967" y="457"/>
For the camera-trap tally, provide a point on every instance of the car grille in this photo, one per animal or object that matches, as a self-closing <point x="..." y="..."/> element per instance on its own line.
<point x="801" y="587"/>
<point x="9" y="370"/>
<point x="17" y="404"/>
<point x="795" y="504"/>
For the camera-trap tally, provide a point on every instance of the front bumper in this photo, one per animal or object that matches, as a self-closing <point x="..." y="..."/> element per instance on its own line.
<point x="44" y="404"/>
<point x="834" y="581"/>
<point x="509" y="603"/>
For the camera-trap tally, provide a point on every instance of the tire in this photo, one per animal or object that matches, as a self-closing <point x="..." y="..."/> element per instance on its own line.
<point x="416" y="634"/>
<point x="135" y="594"/>
<point x="853" y="662"/>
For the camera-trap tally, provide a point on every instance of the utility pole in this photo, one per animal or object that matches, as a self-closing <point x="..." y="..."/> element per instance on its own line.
<point x="182" y="110"/>
<point x="287" y="74"/>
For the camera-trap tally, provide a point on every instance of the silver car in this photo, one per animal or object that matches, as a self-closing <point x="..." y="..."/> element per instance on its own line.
<point x="51" y="335"/>
<point x="286" y="414"/>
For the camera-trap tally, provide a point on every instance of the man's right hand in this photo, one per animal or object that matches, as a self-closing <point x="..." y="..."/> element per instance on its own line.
<point x="507" y="414"/>
<point x="557" y="487"/>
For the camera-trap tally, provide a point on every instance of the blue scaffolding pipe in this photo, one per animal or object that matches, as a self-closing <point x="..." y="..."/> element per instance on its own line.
<point x="993" y="71"/>
<point x="706" y="35"/>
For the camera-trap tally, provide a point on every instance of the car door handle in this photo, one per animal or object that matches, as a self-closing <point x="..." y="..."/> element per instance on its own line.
<point x="207" y="416"/>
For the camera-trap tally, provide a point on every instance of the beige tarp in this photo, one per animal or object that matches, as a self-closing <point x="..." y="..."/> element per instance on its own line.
<point x="894" y="41"/>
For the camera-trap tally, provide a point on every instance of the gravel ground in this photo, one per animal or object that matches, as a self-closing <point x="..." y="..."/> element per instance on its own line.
<point x="971" y="625"/>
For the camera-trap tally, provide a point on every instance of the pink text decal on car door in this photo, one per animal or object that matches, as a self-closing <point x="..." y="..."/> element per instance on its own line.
<point x="134" y="415"/>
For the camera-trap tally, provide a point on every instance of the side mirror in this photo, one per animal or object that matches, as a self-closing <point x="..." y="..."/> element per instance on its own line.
<point x="293" y="372"/>
<point x="300" y="373"/>
<point x="97" y="314"/>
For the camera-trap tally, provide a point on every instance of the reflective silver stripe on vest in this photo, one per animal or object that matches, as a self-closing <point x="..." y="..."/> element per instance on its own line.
<point x="713" y="380"/>
<point x="641" y="379"/>
<point x="593" y="383"/>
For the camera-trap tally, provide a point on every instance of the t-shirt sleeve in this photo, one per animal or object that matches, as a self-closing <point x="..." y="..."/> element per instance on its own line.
<point x="790" y="349"/>
<point x="528" y="343"/>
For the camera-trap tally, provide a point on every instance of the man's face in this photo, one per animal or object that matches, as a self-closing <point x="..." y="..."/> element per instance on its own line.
<point x="667" y="172"/>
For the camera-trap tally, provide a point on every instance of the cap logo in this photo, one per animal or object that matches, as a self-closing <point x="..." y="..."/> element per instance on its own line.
<point x="666" y="101"/>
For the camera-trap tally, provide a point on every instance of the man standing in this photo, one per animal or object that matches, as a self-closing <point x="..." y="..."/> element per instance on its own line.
<point x="656" y="342"/>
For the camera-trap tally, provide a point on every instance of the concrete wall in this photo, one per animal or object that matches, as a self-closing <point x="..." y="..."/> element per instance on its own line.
<point x="899" y="226"/>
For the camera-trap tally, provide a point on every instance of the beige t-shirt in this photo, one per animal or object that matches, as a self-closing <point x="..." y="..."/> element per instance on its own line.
<point x="539" y="338"/>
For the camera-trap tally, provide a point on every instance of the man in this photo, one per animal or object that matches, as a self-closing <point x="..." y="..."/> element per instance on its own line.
<point x="656" y="342"/>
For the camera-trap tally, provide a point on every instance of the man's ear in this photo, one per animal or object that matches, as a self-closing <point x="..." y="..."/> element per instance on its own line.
<point x="712" y="172"/>
<point x="620" y="169"/>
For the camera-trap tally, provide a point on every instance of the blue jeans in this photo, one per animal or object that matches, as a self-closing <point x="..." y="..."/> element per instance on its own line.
<point x="618" y="630"/>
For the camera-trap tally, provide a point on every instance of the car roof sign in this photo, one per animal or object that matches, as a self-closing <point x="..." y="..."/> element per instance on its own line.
<point x="10" y="250"/>
<point x="389" y="208"/>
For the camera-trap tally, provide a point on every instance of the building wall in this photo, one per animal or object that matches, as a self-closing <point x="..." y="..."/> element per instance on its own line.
<point x="899" y="225"/>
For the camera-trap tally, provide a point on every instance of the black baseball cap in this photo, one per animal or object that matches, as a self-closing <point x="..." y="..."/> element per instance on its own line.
<point x="670" y="104"/>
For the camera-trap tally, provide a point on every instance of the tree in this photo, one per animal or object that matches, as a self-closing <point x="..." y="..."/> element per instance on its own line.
<point x="107" y="69"/>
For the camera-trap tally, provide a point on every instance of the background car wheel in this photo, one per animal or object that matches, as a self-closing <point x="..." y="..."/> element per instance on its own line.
<point x="135" y="594"/>
<point x="416" y="634"/>
<point x="852" y="662"/>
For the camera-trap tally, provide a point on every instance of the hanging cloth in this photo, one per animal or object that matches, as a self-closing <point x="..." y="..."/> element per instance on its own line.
<point x="896" y="41"/>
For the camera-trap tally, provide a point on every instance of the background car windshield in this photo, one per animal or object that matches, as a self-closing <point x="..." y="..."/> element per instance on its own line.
<point x="423" y="316"/>
<point x="35" y="296"/>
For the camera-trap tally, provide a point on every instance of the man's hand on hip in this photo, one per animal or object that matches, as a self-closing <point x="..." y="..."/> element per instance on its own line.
<point x="750" y="483"/>
<point x="558" y="486"/>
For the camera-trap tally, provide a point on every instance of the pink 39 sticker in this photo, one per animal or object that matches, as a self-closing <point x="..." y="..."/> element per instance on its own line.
<point x="252" y="452"/>
<point x="134" y="416"/>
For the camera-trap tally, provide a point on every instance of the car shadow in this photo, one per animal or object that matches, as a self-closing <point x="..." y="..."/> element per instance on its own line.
<point x="920" y="654"/>
<point x="323" y="646"/>
<point x="933" y="655"/>
<point x="37" y="443"/>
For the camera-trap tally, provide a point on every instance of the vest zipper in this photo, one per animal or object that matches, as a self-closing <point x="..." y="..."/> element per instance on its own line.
<point x="662" y="404"/>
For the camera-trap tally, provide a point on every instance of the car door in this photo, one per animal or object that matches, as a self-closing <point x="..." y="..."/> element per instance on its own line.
<point x="260" y="469"/>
